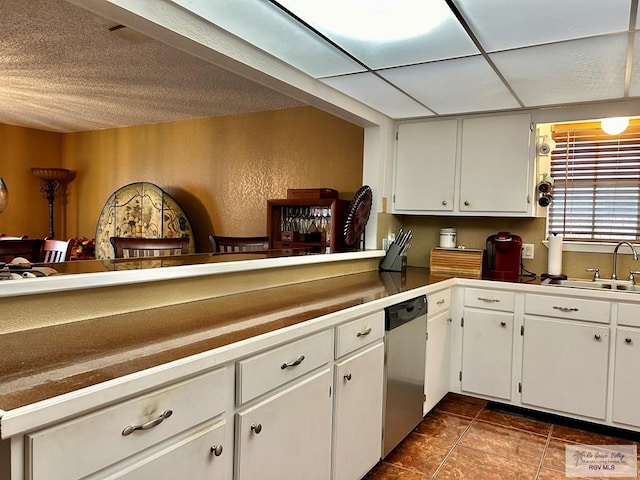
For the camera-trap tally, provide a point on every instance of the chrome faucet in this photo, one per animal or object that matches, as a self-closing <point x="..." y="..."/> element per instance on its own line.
<point x="614" y="275"/>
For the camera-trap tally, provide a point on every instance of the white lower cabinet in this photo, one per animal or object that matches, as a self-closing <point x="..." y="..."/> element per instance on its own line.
<point x="437" y="364"/>
<point x="203" y="455"/>
<point x="565" y="366"/>
<point x="487" y="351"/>
<point x="287" y="435"/>
<point x="357" y="430"/>
<point x="626" y="388"/>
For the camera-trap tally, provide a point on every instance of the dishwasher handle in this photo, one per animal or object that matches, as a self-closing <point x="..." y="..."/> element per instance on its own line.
<point x="401" y="313"/>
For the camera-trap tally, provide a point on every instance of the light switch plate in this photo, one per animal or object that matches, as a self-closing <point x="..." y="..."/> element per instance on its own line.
<point x="527" y="251"/>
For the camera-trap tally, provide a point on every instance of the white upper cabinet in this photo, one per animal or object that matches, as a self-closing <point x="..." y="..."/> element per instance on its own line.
<point x="496" y="174"/>
<point x="425" y="166"/>
<point x="468" y="167"/>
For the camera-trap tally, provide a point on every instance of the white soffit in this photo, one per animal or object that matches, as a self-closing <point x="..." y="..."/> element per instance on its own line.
<point x="445" y="38"/>
<point x="371" y="90"/>
<point x="505" y="24"/>
<point x="634" y="84"/>
<point x="268" y="28"/>
<point x="454" y="86"/>
<point x="575" y="71"/>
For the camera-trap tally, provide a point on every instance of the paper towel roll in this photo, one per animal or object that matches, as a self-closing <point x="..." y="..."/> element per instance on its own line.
<point x="554" y="266"/>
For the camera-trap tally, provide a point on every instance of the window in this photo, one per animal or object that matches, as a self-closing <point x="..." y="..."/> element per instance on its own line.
<point x="596" y="193"/>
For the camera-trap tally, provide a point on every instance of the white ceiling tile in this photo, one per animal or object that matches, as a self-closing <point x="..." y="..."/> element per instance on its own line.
<point x="504" y="24"/>
<point x="576" y="71"/>
<point x="414" y="41"/>
<point x="378" y="94"/>
<point x="453" y="86"/>
<point x="265" y="26"/>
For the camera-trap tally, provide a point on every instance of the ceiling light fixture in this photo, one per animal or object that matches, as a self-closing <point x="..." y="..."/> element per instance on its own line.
<point x="372" y="20"/>
<point x="614" y="125"/>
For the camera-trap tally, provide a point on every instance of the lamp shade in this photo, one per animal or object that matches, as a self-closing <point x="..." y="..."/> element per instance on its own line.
<point x="614" y="125"/>
<point x="4" y="195"/>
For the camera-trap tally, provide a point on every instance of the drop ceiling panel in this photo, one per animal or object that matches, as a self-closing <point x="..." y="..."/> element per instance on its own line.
<point x="403" y="32"/>
<point x="454" y="86"/>
<point x="576" y="71"/>
<point x="373" y="91"/>
<point x="266" y="27"/>
<point x="505" y="24"/>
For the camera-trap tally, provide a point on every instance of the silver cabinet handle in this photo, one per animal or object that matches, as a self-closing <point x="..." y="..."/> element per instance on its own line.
<point x="256" y="428"/>
<point x="347" y="377"/>
<point x="467" y="203"/>
<point x="295" y="363"/>
<point x="216" y="450"/>
<point x="597" y="336"/>
<point x="444" y="202"/>
<point x="150" y="424"/>
<point x="503" y="324"/>
<point x="364" y="333"/>
<point x="566" y="309"/>
<point x="627" y="340"/>
<point x="440" y="302"/>
<point x="491" y="300"/>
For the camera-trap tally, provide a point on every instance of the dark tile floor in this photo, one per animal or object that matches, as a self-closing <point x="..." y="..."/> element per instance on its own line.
<point x="464" y="438"/>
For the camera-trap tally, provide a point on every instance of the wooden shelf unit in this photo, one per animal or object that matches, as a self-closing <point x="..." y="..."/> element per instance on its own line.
<point x="285" y="239"/>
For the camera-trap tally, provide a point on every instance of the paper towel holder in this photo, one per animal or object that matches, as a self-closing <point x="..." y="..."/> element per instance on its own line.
<point x="550" y="276"/>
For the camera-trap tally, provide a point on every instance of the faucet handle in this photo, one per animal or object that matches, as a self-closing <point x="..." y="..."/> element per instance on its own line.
<point x="596" y="273"/>
<point x="632" y="275"/>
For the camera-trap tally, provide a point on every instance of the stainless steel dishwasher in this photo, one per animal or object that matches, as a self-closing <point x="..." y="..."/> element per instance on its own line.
<point x="405" y="350"/>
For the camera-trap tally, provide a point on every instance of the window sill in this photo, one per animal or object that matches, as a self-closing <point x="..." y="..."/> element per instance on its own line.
<point x="591" y="247"/>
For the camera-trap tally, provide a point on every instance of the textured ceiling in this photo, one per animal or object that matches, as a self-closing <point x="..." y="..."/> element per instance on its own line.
<point x="61" y="69"/>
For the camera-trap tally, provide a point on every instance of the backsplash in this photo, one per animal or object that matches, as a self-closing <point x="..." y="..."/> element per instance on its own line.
<point x="472" y="232"/>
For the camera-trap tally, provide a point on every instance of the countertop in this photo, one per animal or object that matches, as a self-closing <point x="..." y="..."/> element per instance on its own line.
<point x="50" y="361"/>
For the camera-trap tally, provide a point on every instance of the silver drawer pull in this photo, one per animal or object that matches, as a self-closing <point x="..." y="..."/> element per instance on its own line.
<point x="362" y="334"/>
<point x="295" y="363"/>
<point x="503" y="324"/>
<point x="216" y="450"/>
<point x="566" y="309"/>
<point x="627" y="340"/>
<point x="492" y="300"/>
<point x="150" y="424"/>
<point x="440" y="302"/>
<point x="597" y="336"/>
<point x="347" y="377"/>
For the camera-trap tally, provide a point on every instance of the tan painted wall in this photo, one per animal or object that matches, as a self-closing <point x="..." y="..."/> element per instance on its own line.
<point x="23" y="148"/>
<point x="220" y="170"/>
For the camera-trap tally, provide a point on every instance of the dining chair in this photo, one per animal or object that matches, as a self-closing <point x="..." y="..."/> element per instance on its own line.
<point x="56" y="251"/>
<point x="29" y="248"/>
<point x="125" y="247"/>
<point x="222" y="244"/>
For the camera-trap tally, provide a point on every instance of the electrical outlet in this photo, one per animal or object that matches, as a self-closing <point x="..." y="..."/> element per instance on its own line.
<point x="527" y="251"/>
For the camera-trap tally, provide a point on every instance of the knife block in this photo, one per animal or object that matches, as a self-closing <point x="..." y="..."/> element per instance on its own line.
<point x="393" y="261"/>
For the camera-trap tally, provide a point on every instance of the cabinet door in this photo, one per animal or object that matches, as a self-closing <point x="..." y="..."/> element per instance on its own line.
<point x="425" y="166"/>
<point x="564" y="366"/>
<point x="357" y="436"/>
<point x="626" y="389"/>
<point x="496" y="173"/>
<point x="487" y="344"/>
<point x="287" y="435"/>
<point x="436" y="383"/>
<point x="205" y="455"/>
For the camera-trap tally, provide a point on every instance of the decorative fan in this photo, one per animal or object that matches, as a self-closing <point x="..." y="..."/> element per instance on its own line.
<point x="358" y="215"/>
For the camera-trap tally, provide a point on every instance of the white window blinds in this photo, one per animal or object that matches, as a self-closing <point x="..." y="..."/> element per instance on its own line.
<point x="596" y="194"/>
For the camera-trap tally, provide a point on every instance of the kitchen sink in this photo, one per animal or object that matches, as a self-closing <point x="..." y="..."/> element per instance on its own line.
<point x="606" y="285"/>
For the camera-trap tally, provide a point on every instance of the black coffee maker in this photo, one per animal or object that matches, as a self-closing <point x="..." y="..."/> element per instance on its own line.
<point x="502" y="257"/>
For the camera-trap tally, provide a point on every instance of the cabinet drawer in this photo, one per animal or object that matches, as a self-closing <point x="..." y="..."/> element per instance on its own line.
<point x="629" y="314"/>
<point x="489" y="299"/>
<point x="565" y="307"/>
<point x="438" y="302"/>
<point x="358" y="333"/>
<point x="84" y="445"/>
<point x="268" y="370"/>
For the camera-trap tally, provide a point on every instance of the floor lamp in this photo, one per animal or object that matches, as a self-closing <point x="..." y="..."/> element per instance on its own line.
<point x="50" y="181"/>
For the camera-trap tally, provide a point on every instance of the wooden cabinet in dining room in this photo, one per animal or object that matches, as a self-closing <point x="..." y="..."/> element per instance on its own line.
<point x="315" y="224"/>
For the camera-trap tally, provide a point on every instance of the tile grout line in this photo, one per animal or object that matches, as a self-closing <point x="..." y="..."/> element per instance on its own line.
<point x="544" y="452"/>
